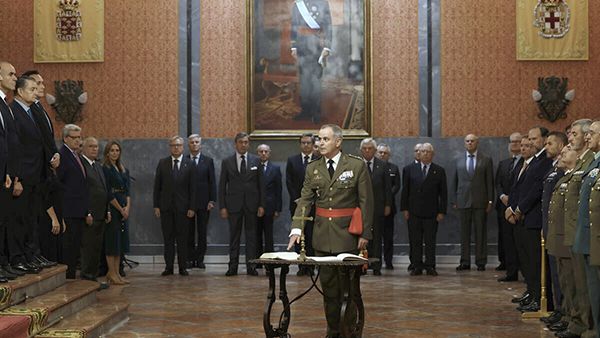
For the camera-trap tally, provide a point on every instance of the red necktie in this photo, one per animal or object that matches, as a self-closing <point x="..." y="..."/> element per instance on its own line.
<point x="79" y="162"/>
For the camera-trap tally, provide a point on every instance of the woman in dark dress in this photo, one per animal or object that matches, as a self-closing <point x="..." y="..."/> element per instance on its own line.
<point x="116" y="235"/>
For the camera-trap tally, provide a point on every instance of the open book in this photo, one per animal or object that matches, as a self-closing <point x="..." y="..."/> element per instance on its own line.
<point x="292" y="256"/>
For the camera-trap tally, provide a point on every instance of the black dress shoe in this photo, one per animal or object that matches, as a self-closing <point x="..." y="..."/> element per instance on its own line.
<point x="531" y="307"/>
<point x="10" y="269"/>
<point x="201" y="265"/>
<point x="301" y="272"/>
<point x="500" y="267"/>
<point x="7" y="274"/>
<point x="410" y="267"/>
<point x="558" y="327"/>
<point x="554" y="317"/>
<point x="389" y="266"/>
<point x="183" y="272"/>
<point x="431" y="272"/>
<point x="567" y="334"/>
<point x="508" y="279"/>
<point x="24" y="268"/>
<point x="480" y="267"/>
<point x="90" y="278"/>
<point x="377" y="272"/>
<point x="463" y="267"/>
<point x="167" y="272"/>
<point x="3" y="279"/>
<point x="231" y="273"/>
<point x="43" y="262"/>
<point x="525" y="294"/>
<point x="47" y="261"/>
<point x="525" y="302"/>
<point x="416" y="272"/>
<point x="252" y="272"/>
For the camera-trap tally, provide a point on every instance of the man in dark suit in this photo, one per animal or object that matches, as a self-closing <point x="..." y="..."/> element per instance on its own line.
<point x="92" y="236"/>
<point x="507" y="253"/>
<point x="382" y="192"/>
<point x="28" y="204"/>
<point x="72" y="177"/>
<point x="46" y="242"/>
<point x="384" y="152"/>
<point x="5" y="183"/>
<point x="241" y="199"/>
<point x="424" y="201"/>
<point x="10" y="180"/>
<point x="294" y="178"/>
<point x="174" y="203"/>
<point x="473" y="196"/>
<point x="416" y="155"/>
<point x="206" y="196"/>
<point x="525" y="209"/>
<point x="272" y="182"/>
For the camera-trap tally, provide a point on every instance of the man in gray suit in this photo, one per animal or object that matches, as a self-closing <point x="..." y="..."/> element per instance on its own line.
<point x="98" y="215"/>
<point x="472" y="194"/>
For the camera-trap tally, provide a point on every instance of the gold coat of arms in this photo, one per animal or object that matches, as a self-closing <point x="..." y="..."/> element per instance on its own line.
<point x="552" y="18"/>
<point x="68" y="21"/>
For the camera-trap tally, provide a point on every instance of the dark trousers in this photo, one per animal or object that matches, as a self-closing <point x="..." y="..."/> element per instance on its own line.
<point x="175" y="228"/>
<point x="374" y="247"/>
<point x="72" y="244"/>
<point x="528" y="243"/>
<point x="5" y="207"/>
<point x="264" y="228"/>
<point x="593" y="285"/>
<point x="388" y="239"/>
<point x="23" y="227"/>
<point x="335" y="282"/>
<point x="246" y="219"/>
<point x="473" y="218"/>
<point x="552" y="284"/>
<point x="422" y="230"/>
<point x="310" y="82"/>
<point x="566" y="280"/>
<point x="511" y="257"/>
<point x="502" y="223"/>
<point x="582" y="298"/>
<point x="92" y="238"/>
<point x="198" y="226"/>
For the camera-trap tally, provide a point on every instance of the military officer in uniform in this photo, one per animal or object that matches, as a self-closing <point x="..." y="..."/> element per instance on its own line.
<point x="338" y="183"/>
<point x="581" y="244"/>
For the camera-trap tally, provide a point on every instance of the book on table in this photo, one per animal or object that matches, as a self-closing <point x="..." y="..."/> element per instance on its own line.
<point x="292" y="256"/>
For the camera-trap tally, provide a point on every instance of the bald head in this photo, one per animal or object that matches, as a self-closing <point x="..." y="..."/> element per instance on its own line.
<point x="8" y="77"/>
<point x="471" y="143"/>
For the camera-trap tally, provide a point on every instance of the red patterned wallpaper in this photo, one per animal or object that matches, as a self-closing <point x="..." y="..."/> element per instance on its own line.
<point x="134" y="92"/>
<point x="485" y="89"/>
<point x="395" y="67"/>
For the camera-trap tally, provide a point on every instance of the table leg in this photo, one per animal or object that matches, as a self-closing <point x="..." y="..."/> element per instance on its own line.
<point x="352" y="306"/>
<point x="284" y="319"/>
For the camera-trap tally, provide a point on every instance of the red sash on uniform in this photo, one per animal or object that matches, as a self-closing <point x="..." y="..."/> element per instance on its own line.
<point x="356" y="224"/>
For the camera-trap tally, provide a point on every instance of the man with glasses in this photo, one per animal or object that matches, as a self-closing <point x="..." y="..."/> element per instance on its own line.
<point x="174" y="203"/>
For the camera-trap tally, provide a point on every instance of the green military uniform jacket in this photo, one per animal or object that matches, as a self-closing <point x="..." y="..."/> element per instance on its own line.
<point x="349" y="187"/>
<point x="595" y="222"/>
<point x="572" y="196"/>
<point x="556" y="220"/>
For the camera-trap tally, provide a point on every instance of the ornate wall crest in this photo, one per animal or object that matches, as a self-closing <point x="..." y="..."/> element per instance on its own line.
<point x="553" y="98"/>
<point x="69" y="100"/>
<point x="552" y="18"/>
<point x="68" y="21"/>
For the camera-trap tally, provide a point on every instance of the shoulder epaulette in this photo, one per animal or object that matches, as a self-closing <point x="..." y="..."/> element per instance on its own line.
<point x="355" y="157"/>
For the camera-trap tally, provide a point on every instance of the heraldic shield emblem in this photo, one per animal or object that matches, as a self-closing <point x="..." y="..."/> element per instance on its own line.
<point x="68" y="21"/>
<point x="553" y="98"/>
<point x="69" y="100"/>
<point x="551" y="17"/>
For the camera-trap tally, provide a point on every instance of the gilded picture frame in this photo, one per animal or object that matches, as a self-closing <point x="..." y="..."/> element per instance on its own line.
<point x="308" y="63"/>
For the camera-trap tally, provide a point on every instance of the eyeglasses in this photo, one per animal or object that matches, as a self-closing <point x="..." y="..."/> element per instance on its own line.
<point x="306" y="143"/>
<point x="74" y="137"/>
<point x="175" y="145"/>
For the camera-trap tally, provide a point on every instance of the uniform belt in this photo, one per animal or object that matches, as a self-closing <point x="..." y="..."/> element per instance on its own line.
<point x="308" y="31"/>
<point x="356" y="224"/>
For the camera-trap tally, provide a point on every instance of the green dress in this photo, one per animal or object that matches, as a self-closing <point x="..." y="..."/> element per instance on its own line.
<point x="116" y="234"/>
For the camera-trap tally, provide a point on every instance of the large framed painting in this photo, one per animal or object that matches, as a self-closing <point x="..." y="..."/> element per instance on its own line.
<point x="308" y="64"/>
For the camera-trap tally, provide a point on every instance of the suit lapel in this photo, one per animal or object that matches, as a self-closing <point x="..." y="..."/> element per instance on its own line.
<point x="341" y="167"/>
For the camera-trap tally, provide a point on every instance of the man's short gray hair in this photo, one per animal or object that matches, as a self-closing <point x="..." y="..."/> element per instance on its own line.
<point x="418" y="146"/>
<point x="368" y="140"/>
<point x="337" y="131"/>
<point x="193" y="136"/>
<point x="89" y="139"/>
<point x="69" y="128"/>
<point x="585" y="124"/>
<point x="176" y="138"/>
<point x="427" y="145"/>
<point x="263" y="145"/>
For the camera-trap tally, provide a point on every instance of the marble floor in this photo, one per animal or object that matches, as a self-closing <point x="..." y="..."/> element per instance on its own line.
<point x="208" y="304"/>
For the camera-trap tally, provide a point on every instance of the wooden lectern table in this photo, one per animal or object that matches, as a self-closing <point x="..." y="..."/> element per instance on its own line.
<point x="349" y="304"/>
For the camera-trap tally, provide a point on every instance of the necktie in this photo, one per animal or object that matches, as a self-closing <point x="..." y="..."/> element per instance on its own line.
<point x="10" y="110"/>
<point x="80" y="164"/>
<point x="330" y="168"/>
<point x="243" y="165"/>
<point x="369" y="167"/>
<point x="525" y="165"/>
<point x="175" y="167"/>
<point x="29" y="114"/>
<point x="195" y="159"/>
<point x="306" y="157"/>
<point x="96" y="167"/>
<point x="2" y="122"/>
<point x="39" y="105"/>
<point x="264" y="167"/>
<point x="471" y="165"/>
<point x="424" y="171"/>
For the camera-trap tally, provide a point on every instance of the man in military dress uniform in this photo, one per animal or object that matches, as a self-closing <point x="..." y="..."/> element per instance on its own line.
<point x="594" y="205"/>
<point x="338" y="183"/>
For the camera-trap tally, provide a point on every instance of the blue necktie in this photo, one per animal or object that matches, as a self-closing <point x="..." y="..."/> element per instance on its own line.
<point x="471" y="165"/>
<point x="30" y="115"/>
